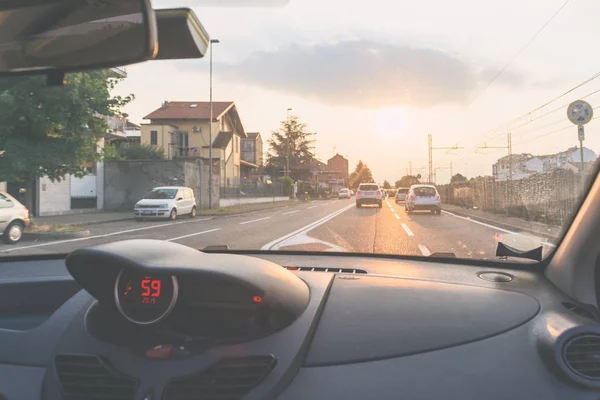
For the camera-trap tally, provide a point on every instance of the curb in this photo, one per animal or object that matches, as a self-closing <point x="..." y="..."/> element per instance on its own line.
<point x="501" y="224"/>
<point x="42" y="236"/>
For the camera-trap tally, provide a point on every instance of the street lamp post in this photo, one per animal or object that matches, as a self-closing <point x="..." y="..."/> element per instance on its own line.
<point x="210" y="160"/>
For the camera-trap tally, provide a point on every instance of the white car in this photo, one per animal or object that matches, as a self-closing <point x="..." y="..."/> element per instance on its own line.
<point x="166" y="202"/>
<point x="369" y="193"/>
<point x="423" y="197"/>
<point x="14" y="218"/>
<point x="401" y="194"/>
<point x="344" y="194"/>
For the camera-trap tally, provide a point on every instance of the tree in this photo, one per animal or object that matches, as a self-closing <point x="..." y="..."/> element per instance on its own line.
<point x="293" y="139"/>
<point x="458" y="178"/>
<point x="407" y="181"/>
<point x="386" y="185"/>
<point x="53" y="131"/>
<point x="361" y="174"/>
<point x="128" y="151"/>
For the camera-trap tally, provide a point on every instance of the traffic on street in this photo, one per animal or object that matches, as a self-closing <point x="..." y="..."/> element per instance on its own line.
<point x="319" y="225"/>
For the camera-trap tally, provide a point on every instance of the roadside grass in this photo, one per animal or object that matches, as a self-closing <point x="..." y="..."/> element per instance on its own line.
<point x="47" y="228"/>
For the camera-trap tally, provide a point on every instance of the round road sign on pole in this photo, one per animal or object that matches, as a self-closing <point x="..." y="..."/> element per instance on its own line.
<point x="580" y="112"/>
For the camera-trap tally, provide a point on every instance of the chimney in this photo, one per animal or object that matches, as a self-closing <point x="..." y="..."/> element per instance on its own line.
<point x="165" y="104"/>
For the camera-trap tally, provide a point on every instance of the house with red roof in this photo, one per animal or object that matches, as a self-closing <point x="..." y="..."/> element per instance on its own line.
<point x="183" y="129"/>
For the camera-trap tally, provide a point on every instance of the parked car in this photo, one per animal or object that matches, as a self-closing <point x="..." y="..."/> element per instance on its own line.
<point x="166" y="202"/>
<point x="344" y="194"/>
<point x="14" y="218"/>
<point x="368" y="193"/>
<point x="401" y="194"/>
<point x="423" y="197"/>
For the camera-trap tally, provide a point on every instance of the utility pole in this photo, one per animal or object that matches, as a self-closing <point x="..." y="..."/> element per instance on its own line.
<point x="287" y="157"/>
<point x="410" y="167"/>
<point x="431" y="148"/>
<point x="210" y="128"/>
<point x="451" y="174"/>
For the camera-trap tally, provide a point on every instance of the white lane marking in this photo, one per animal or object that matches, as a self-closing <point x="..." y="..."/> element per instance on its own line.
<point x="392" y="210"/>
<point x="311" y="207"/>
<point x="407" y="229"/>
<point x="254" y="220"/>
<point x="306" y="228"/>
<point x="291" y="212"/>
<point x="424" y="250"/>
<point x="193" y="234"/>
<point x="493" y="227"/>
<point x="397" y="216"/>
<point x="102" y="236"/>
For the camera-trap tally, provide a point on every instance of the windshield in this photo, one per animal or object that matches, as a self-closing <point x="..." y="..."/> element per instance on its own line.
<point x="484" y="104"/>
<point x="161" y="194"/>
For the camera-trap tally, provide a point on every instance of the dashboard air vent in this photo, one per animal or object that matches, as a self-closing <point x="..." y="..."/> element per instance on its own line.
<point x="228" y="379"/>
<point x="581" y="310"/>
<point x="322" y="269"/>
<point x="87" y="377"/>
<point x="582" y="356"/>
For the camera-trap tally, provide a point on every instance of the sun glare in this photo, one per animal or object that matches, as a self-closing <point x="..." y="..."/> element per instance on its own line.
<point x="392" y="122"/>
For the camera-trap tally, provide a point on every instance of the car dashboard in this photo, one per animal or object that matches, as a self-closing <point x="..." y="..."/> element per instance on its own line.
<point x="139" y="320"/>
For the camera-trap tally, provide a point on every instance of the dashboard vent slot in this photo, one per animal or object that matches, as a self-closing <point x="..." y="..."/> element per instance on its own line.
<point x="582" y="356"/>
<point x="228" y="379"/>
<point x="84" y="377"/>
<point x="322" y="269"/>
<point x="581" y="310"/>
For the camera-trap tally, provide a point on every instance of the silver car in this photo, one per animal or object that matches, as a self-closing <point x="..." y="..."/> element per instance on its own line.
<point x="423" y="197"/>
<point x="14" y="218"/>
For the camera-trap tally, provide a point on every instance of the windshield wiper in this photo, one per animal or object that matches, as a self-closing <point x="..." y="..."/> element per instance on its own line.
<point x="506" y="251"/>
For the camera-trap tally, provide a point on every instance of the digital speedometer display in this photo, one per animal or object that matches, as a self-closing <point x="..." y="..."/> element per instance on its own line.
<point x="145" y="298"/>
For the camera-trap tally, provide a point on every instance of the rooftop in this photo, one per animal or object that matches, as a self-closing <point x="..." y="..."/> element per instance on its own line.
<point x="190" y="110"/>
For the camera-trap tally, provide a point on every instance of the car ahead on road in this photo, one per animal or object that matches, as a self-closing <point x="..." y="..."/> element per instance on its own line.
<point x="423" y="197"/>
<point x="369" y="193"/>
<point x="344" y="194"/>
<point x="166" y="202"/>
<point x="14" y="218"/>
<point x="401" y="194"/>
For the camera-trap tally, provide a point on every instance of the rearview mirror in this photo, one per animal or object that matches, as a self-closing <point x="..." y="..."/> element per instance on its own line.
<point x="73" y="35"/>
<point x="180" y="34"/>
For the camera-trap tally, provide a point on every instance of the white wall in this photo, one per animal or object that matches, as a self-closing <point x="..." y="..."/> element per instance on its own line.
<point x="250" y="200"/>
<point x="54" y="197"/>
<point x="83" y="187"/>
<point x="3" y="186"/>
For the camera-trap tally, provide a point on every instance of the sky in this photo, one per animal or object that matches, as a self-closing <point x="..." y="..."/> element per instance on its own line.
<point x="374" y="79"/>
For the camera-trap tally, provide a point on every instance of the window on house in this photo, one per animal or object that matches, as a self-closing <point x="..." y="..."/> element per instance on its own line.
<point x="154" y="138"/>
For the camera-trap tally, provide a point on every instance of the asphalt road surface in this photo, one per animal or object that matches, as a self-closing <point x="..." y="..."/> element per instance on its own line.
<point x="328" y="225"/>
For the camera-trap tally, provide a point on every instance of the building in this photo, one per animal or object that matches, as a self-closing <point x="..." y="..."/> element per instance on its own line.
<point x="133" y="132"/>
<point x="182" y="129"/>
<point x="525" y="165"/>
<point x="333" y="175"/>
<point x="252" y="155"/>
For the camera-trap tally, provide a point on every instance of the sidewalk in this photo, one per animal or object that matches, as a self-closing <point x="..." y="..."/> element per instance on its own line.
<point x="84" y="218"/>
<point x="508" y="223"/>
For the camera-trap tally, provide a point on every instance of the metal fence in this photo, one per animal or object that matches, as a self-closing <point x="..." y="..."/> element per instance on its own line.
<point x="550" y="198"/>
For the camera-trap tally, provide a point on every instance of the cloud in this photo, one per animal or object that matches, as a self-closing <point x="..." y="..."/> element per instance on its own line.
<point x="363" y="73"/>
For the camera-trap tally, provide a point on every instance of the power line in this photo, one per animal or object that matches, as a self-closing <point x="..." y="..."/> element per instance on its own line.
<point x="503" y="126"/>
<point x="519" y="52"/>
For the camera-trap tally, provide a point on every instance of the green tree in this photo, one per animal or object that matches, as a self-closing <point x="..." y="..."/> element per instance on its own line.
<point x="407" y="181"/>
<point x="386" y="185"/>
<point x="458" y="178"/>
<point x="131" y="151"/>
<point x="361" y="174"/>
<point x="53" y="131"/>
<point x="293" y="139"/>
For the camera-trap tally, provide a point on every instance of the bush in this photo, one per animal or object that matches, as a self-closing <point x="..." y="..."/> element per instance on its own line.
<point x="128" y="151"/>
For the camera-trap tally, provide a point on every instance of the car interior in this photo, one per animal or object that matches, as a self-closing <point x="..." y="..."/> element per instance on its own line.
<point x="148" y="319"/>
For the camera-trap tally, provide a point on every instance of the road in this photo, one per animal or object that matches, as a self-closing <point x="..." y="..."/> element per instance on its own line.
<point x="334" y="225"/>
